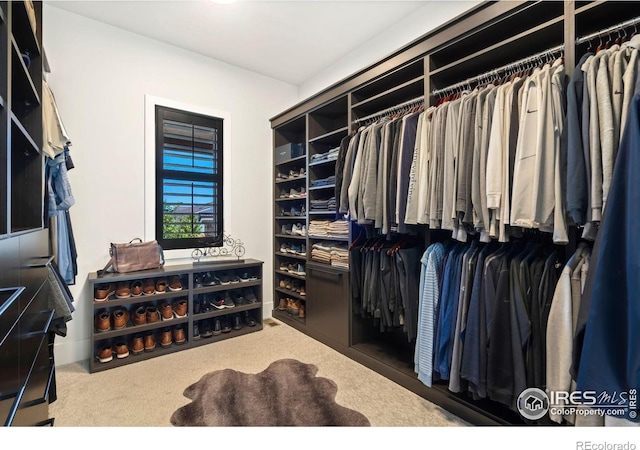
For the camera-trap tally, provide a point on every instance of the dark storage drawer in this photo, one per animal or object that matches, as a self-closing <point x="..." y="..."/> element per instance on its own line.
<point x="327" y="302"/>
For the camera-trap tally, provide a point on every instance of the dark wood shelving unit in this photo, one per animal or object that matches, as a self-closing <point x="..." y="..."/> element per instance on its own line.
<point x="26" y="342"/>
<point x="189" y="292"/>
<point x="488" y="36"/>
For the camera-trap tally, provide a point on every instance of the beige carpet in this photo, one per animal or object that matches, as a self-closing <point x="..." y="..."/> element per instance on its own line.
<point x="145" y="394"/>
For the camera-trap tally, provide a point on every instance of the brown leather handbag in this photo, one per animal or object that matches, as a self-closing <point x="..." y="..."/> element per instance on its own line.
<point x="134" y="256"/>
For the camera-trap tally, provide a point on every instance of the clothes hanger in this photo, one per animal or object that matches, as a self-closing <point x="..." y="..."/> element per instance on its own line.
<point x="600" y="46"/>
<point x="609" y="43"/>
<point x="618" y="40"/>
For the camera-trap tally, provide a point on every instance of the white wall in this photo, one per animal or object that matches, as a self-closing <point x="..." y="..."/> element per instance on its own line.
<point x="100" y="76"/>
<point x="418" y="23"/>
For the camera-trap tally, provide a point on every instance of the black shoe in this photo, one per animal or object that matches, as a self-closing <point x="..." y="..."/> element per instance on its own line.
<point x="196" y="331"/>
<point x="197" y="281"/>
<point x="249" y="296"/>
<point x="238" y="299"/>
<point x="217" y="327"/>
<point x="196" y="304"/>
<point x="226" y="326"/>
<point x="206" y="304"/>
<point x="236" y="322"/>
<point x="248" y="319"/>
<point x="206" y="329"/>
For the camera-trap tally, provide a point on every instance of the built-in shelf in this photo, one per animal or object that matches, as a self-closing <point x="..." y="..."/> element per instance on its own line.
<point x="24" y="139"/>
<point x="317" y="188"/>
<point x="394" y="90"/>
<point x="291" y="255"/>
<point x="330" y="238"/>
<point x="318" y="213"/>
<point x="291" y="293"/>
<point x="289" y="236"/>
<point x="324" y="161"/>
<point x="329" y="135"/>
<point x="231" y="334"/>
<point x="288" y="318"/>
<point x="292" y="275"/>
<point x="22" y="85"/>
<point x="134" y="329"/>
<point x="227" y="311"/>
<point x="290" y="199"/>
<point x="290" y="180"/>
<point x="22" y="30"/>
<point x="302" y="158"/>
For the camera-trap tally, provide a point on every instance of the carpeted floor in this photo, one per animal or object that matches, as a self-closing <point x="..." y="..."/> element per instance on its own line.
<point x="146" y="394"/>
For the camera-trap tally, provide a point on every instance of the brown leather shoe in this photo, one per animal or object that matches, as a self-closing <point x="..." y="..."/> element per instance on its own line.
<point x="122" y="351"/>
<point x="148" y="287"/>
<point x="282" y="306"/>
<point x="161" y="285"/>
<point x="120" y="318"/>
<point x="292" y="307"/>
<point x="137" y="345"/>
<point x="178" y="335"/>
<point x="149" y="342"/>
<point x="301" y="311"/>
<point x="180" y="307"/>
<point x="139" y="316"/>
<point x="103" y="321"/>
<point x="103" y="291"/>
<point x="165" y="338"/>
<point x="123" y="290"/>
<point x="166" y="311"/>
<point x="174" y="283"/>
<point x="153" y="315"/>
<point x="136" y="288"/>
<point x="105" y="354"/>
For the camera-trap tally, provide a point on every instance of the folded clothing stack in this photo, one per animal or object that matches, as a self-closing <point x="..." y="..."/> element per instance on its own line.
<point x="323" y="205"/>
<point x="331" y="154"/>
<point x="338" y="228"/>
<point x="326" y="252"/>
<point x="319" y="228"/>
<point x="324" y="181"/>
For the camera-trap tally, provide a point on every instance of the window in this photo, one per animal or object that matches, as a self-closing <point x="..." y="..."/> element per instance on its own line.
<point x="188" y="179"/>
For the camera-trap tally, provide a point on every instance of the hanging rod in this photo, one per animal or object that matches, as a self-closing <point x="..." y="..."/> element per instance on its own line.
<point x="504" y="68"/>
<point x="609" y="30"/>
<point x="384" y="112"/>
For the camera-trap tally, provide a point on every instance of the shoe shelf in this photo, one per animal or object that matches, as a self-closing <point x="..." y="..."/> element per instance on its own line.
<point x="157" y="351"/>
<point x="231" y="334"/>
<point x="292" y="275"/>
<point x="226" y="287"/>
<point x="301" y="159"/>
<point x="290" y="255"/>
<point x="226" y="311"/>
<point x="291" y="293"/>
<point x="290" y="180"/>
<point x="288" y="318"/>
<point x="136" y="329"/>
<point x="289" y="236"/>
<point x="113" y="301"/>
<point x="248" y="271"/>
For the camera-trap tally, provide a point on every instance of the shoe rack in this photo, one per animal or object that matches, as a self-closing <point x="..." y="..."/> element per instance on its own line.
<point x="291" y="222"/>
<point x="151" y="313"/>
<point x="297" y="213"/>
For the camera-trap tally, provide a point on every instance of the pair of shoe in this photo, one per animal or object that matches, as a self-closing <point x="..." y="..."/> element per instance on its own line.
<point x="292" y="306"/>
<point x="103" y="291"/>
<point x="105" y="353"/>
<point x="297" y="173"/>
<point x="298" y="193"/>
<point x="297" y="269"/>
<point x="298" y="229"/>
<point x="116" y="320"/>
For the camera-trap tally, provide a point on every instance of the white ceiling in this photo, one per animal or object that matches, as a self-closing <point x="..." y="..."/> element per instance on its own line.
<point x="287" y="40"/>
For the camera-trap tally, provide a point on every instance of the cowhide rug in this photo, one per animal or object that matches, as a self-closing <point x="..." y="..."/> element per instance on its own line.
<point x="287" y="393"/>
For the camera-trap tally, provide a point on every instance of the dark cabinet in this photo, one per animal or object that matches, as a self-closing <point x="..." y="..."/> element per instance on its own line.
<point x="328" y="302"/>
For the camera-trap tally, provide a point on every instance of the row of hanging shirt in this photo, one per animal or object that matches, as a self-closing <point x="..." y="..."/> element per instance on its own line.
<point x="487" y="161"/>
<point x="598" y="98"/>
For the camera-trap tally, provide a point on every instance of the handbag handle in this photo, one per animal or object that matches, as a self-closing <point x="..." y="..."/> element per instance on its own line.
<point x="135" y="239"/>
